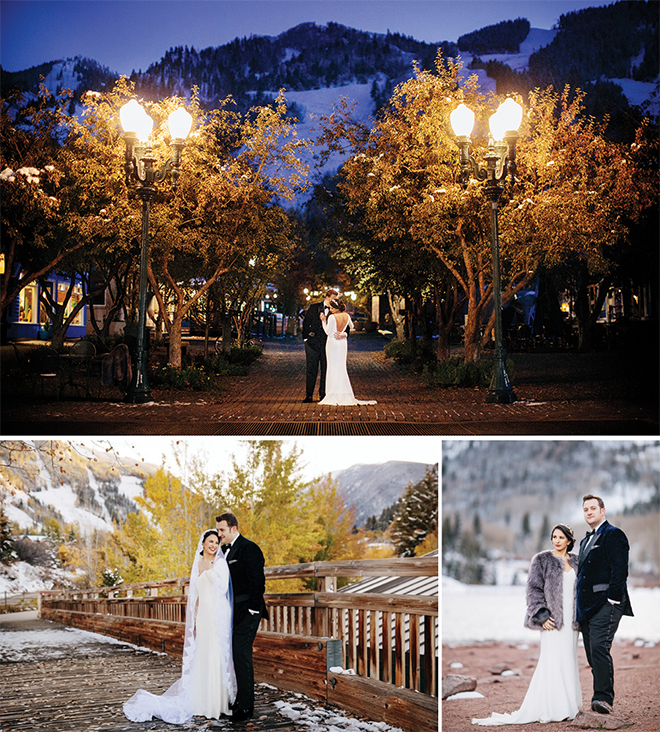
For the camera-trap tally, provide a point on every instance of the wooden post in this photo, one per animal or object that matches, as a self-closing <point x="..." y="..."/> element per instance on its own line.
<point x="374" y="669"/>
<point x="351" y="651"/>
<point x="387" y="647"/>
<point x="363" y="648"/>
<point x="429" y="656"/>
<point x="399" y="651"/>
<point x="413" y="654"/>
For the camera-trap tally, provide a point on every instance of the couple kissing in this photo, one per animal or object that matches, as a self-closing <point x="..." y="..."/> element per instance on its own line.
<point x="326" y="326"/>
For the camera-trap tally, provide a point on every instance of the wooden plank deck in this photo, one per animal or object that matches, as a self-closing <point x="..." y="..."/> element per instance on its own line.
<point x="81" y="687"/>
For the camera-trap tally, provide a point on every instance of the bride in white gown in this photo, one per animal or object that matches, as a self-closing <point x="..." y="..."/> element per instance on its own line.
<point x="207" y="685"/>
<point x="554" y="693"/>
<point x="338" y="389"/>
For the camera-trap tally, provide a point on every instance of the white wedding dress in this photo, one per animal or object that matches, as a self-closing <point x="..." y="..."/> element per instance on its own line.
<point x="207" y="684"/>
<point x="554" y="693"/>
<point x="338" y="389"/>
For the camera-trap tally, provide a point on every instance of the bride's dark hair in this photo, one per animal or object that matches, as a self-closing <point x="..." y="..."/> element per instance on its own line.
<point x="567" y="531"/>
<point x="338" y="305"/>
<point x="206" y="536"/>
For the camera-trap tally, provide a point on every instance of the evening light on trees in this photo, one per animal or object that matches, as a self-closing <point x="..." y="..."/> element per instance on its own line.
<point x="575" y="193"/>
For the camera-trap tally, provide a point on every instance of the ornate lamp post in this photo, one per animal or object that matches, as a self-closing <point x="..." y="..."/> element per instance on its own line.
<point x="500" y="163"/>
<point x="139" y="166"/>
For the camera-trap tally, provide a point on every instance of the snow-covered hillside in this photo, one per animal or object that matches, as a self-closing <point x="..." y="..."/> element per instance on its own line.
<point x="69" y="484"/>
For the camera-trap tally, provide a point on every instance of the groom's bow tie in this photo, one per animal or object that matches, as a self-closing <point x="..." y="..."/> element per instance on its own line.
<point x="225" y="548"/>
<point x="590" y="533"/>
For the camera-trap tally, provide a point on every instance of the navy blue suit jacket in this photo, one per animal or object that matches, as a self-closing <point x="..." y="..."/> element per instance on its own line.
<point x="602" y="573"/>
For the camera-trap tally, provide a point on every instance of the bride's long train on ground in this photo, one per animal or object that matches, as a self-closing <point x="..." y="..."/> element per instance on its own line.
<point x="338" y="389"/>
<point x="554" y="693"/>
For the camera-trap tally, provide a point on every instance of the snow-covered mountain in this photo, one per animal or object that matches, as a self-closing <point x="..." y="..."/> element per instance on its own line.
<point x="46" y="480"/>
<point x="373" y="488"/>
<point x="506" y="497"/>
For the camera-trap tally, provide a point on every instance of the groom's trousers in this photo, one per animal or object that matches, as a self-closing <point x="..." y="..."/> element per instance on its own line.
<point x="598" y="634"/>
<point x="315" y="360"/>
<point x="242" y="639"/>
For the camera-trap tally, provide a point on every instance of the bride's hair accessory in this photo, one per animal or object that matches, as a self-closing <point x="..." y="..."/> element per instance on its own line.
<point x="567" y="531"/>
<point x="206" y="535"/>
<point x="338" y="305"/>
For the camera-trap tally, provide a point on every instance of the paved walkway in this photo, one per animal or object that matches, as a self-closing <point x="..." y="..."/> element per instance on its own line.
<point x="57" y="679"/>
<point x="558" y="394"/>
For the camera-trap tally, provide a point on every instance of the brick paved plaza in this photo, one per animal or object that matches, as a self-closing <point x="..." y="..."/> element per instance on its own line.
<point x="558" y="394"/>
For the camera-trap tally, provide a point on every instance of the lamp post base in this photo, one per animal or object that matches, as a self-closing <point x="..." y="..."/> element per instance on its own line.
<point x="138" y="390"/>
<point x="138" y="397"/>
<point x="500" y="390"/>
<point x="507" y="396"/>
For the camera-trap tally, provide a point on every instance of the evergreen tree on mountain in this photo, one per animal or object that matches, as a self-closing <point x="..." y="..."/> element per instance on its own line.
<point x="505" y="37"/>
<point x="417" y="516"/>
<point x="7" y="553"/>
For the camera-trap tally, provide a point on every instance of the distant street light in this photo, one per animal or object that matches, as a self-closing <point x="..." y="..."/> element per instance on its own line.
<point x="500" y="163"/>
<point x="139" y="166"/>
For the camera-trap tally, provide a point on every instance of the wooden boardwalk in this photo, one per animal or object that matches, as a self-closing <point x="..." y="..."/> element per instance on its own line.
<point x="50" y="685"/>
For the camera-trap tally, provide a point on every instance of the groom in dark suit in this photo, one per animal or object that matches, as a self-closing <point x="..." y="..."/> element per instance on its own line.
<point x="246" y="568"/>
<point x="601" y="597"/>
<point x="315" y="338"/>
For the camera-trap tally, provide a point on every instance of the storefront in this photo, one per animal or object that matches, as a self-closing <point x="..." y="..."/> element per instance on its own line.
<point x="28" y="319"/>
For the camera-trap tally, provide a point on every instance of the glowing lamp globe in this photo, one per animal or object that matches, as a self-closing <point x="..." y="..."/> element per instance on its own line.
<point x="507" y="119"/>
<point x="135" y="119"/>
<point x="462" y="121"/>
<point x="179" y="123"/>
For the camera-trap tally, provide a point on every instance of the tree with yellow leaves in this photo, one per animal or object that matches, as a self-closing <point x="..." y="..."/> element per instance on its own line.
<point x="575" y="196"/>
<point x="159" y="541"/>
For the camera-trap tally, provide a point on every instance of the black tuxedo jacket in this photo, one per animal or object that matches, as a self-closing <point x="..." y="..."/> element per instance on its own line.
<point x="246" y="567"/>
<point x="313" y="331"/>
<point x="602" y="573"/>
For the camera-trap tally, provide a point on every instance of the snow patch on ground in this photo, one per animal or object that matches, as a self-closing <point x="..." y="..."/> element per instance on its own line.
<point x="29" y="645"/>
<point x="306" y="712"/>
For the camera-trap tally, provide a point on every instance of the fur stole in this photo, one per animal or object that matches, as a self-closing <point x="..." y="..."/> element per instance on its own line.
<point x="544" y="591"/>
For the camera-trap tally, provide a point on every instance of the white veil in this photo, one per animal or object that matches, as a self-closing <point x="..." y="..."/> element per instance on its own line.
<point x="176" y="704"/>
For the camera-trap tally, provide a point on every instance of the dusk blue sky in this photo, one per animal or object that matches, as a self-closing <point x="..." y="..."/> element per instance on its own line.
<point x="127" y="35"/>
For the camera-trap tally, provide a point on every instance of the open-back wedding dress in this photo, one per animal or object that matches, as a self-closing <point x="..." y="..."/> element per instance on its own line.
<point x="208" y="684"/>
<point x="338" y="389"/>
<point x="554" y="693"/>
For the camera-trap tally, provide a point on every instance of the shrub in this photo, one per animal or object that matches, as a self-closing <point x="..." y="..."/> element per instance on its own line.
<point x="456" y="372"/>
<point x="246" y="355"/>
<point x="416" y="353"/>
<point x="233" y="364"/>
<point x="37" y="553"/>
<point x="169" y="377"/>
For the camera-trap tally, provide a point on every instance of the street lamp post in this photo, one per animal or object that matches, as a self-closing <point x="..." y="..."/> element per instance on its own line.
<point x="139" y="166"/>
<point x="500" y="163"/>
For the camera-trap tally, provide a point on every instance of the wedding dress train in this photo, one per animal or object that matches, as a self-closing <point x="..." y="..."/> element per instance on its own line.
<point x="338" y="389"/>
<point x="554" y="693"/>
<point x="207" y="684"/>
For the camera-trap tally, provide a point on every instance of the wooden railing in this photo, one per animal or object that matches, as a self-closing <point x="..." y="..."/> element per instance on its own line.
<point x="390" y="642"/>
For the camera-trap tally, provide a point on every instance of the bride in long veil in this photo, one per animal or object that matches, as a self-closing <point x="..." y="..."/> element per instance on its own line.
<point x="207" y="685"/>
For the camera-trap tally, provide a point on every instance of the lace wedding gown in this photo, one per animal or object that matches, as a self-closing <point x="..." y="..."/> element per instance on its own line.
<point x="208" y="683"/>
<point x="338" y="389"/>
<point x="554" y="693"/>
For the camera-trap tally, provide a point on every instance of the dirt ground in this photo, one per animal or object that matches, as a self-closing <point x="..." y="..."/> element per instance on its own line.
<point x="636" y="684"/>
